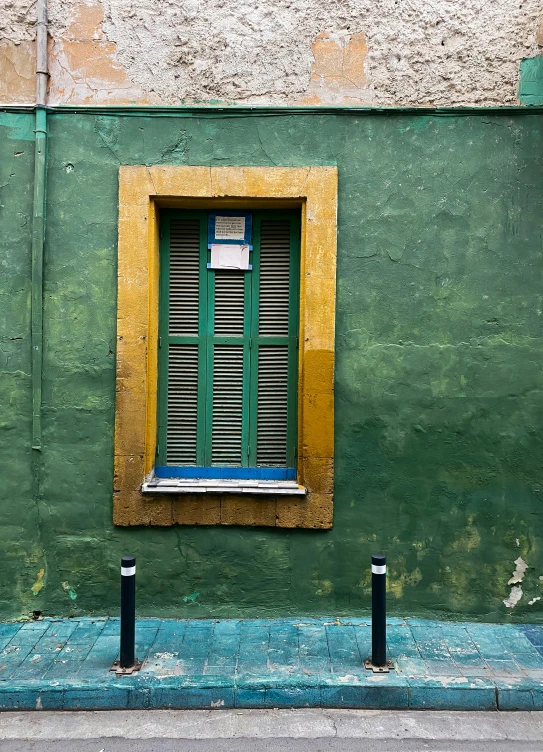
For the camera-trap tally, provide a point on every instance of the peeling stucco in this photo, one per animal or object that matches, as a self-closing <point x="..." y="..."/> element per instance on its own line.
<point x="338" y="73"/>
<point x="17" y="20"/>
<point x="516" y="591"/>
<point x="514" y="597"/>
<point x="17" y="71"/>
<point x="520" y="570"/>
<point x="378" y="52"/>
<point x="83" y="62"/>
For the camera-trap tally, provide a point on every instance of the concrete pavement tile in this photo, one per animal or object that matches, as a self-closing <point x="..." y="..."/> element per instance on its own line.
<point x="343" y="649"/>
<point x="267" y="681"/>
<point x="22" y="644"/>
<point x="487" y="642"/>
<point x="363" y="639"/>
<point x="514" y="640"/>
<point x="533" y="660"/>
<point x="7" y="632"/>
<point x="533" y="633"/>
<point x="43" y="655"/>
<point x="503" y="668"/>
<point x="401" y="642"/>
<point x="283" y="649"/>
<point x="100" y="657"/>
<point x="313" y="649"/>
<point x="253" y="651"/>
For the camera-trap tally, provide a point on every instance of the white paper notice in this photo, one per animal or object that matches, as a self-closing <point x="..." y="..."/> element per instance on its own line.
<point x="230" y="228"/>
<point x="229" y="256"/>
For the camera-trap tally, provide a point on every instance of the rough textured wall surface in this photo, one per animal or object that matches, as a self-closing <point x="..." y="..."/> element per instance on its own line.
<point x="20" y="543"/>
<point x="382" y="52"/>
<point x="439" y="388"/>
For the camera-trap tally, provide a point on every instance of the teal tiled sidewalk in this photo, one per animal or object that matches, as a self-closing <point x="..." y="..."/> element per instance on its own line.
<point x="63" y="664"/>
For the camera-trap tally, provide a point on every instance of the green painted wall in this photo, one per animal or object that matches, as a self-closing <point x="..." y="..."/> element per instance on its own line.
<point x="439" y="401"/>
<point x="530" y="90"/>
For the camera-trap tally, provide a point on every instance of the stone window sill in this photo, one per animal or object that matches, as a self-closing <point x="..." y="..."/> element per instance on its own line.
<point x="221" y="486"/>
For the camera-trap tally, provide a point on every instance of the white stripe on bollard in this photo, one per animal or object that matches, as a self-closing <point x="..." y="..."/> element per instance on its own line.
<point x="128" y="571"/>
<point x="378" y="570"/>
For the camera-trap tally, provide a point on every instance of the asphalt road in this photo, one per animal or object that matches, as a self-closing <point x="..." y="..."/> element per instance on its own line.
<point x="271" y="731"/>
<point x="266" y="745"/>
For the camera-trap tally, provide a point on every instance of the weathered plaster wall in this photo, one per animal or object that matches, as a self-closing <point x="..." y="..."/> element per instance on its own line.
<point x="21" y="550"/>
<point x="381" y="52"/>
<point x="439" y="389"/>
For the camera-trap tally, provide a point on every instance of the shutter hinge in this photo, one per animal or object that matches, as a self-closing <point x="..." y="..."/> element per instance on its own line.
<point x="250" y="343"/>
<point x="158" y="450"/>
<point x="297" y="343"/>
<point x="160" y="341"/>
<point x="248" y="450"/>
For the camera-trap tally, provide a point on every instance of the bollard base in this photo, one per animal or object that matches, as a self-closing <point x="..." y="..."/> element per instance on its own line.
<point x="126" y="671"/>
<point x="379" y="669"/>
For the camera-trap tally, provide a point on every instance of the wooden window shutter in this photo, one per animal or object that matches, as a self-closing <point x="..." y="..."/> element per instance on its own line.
<point x="228" y="348"/>
<point x="230" y="298"/>
<point x="182" y="355"/>
<point x="273" y="322"/>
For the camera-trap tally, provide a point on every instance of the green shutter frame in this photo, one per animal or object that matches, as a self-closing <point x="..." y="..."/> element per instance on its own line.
<point x="219" y="436"/>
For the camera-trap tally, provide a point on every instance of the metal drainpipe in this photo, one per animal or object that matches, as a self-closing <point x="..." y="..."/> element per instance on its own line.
<point x="38" y="220"/>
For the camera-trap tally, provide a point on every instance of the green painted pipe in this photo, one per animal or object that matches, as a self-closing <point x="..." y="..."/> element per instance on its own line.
<point x="38" y="220"/>
<point x="38" y="238"/>
<point x="219" y="111"/>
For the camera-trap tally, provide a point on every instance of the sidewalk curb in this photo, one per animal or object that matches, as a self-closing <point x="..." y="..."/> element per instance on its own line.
<point x="401" y="693"/>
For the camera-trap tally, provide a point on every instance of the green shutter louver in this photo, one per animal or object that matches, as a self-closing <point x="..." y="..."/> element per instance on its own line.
<point x="182" y="404"/>
<point x="273" y="309"/>
<point x="227" y="415"/>
<point x="229" y="315"/>
<point x="184" y="277"/>
<point x="271" y="442"/>
<point x="182" y="379"/>
<point x="229" y="364"/>
<point x="273" y="359"/>
<point x="228" y="349"/>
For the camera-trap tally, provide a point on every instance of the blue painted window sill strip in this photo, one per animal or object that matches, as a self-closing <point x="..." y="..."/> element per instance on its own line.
<point x="228" y="473"/>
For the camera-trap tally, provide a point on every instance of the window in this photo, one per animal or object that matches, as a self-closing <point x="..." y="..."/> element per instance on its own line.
<point x="148" y="194"/>
<point x="228" y="355"/>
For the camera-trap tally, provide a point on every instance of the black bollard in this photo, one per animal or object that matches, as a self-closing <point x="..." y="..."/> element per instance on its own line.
<point x="127" y="663"/>
<point x="378" y="610"/>
<point x="128" y="611"/>
<point x="378" y="661"/>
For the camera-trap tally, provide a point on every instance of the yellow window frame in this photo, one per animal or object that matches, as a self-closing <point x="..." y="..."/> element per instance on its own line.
<point x="142" y="191"/>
